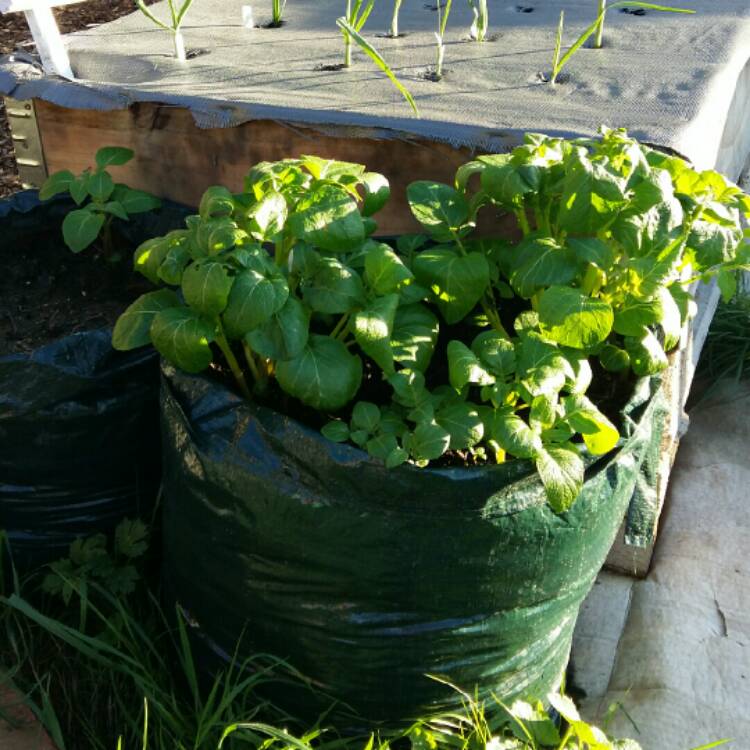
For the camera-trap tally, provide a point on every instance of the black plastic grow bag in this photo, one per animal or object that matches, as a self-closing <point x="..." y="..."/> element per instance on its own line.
<point x="367" y="580"/>
<point x="79" y="447"/>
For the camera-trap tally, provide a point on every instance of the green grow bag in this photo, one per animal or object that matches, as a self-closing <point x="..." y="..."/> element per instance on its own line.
<point x="79" y="448"/>
<point x="367" y="580"/>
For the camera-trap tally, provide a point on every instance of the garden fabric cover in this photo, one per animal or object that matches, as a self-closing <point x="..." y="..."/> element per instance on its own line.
<point x="366" y="579"/>
<point x="79" y="447"/>
<point x="671" y="79"/>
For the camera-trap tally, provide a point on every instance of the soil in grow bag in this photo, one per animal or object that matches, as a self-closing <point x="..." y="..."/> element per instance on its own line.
<point x="368" y="580"/>
<point x="78" y="445"/>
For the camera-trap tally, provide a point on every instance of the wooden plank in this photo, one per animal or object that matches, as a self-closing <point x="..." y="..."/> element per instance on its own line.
<point x="176" y="159"/>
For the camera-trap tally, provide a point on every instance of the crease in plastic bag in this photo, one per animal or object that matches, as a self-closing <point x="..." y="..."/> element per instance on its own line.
<point x="367" y="580"/>
<point x="79" y="445"/>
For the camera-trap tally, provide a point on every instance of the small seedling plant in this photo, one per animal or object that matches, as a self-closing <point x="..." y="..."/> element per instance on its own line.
<point x="447" y="342"/>
<point x="443" y="15"/>
<point x="597" y="28"/>
<point x="393" y="32"/>
<point x="277" y="12"/>
<point x="177" y="13"/>
<point x="351" y="33"/>
<point x="357" y="13"/>
<point x="100" y="200"/>
<point x="481" y="21"/>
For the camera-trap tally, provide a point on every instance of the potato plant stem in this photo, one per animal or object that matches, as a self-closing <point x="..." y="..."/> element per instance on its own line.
<point x="523" y="220"/>
<point x="234" y="365"/>
<point x="259" y="377"/>
<point x="340" y="325"/>
<point x="490" y="310"/>
<point x="558" y="48"/>
<point x="600" y="29"/>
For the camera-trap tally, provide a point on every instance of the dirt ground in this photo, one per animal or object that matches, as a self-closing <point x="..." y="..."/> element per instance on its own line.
<point x="14" y="34"/>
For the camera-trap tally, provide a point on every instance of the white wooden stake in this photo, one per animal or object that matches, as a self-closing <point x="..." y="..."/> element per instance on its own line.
<point x="44" y="29"/>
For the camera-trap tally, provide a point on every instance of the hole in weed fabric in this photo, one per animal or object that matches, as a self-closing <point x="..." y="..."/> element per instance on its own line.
<point x="330" y="68"/>
<point x="191" y="54"/>
<point x="634" y="11"/>
<point x="431" y="6"/>
<point x="430" y="74"/>
<point x="542" y="77"/>
<point x="273" y="25"/>
<point x="524" y="9"/>
<point x="385" y="35"/>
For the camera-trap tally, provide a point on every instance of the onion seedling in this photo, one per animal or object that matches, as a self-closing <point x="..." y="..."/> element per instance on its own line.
<point x="440" y="35"/>
<point x="394" y="18"/>
<point x="356" y="17"/>
<point x="177" y="16"/>
<point x="600" y="29"/>
<point x="277" y="12"/>
<point x="558" y="63"/>
<point x="481" y="22"/>
<point x="377" y="58"/>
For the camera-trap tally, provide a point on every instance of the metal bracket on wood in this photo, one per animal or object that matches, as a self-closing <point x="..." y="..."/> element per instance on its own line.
<point x="27" y="142"/>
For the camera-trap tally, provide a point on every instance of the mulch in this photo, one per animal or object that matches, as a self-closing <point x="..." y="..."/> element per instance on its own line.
<point x="15" y="34"/>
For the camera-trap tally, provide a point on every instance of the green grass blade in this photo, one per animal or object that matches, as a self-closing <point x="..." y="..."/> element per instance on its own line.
<point x="376" y="57"/>
<point x="712" y="744"/>
<point x="556" y="65"/>
<point x="362" y="20"/>
<point x="146" y="12"/>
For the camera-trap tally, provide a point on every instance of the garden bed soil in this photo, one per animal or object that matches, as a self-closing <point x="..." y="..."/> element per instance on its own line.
<point x="48" y="293"/>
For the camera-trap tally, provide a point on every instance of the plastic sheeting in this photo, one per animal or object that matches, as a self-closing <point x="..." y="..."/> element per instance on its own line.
<point x="79" y="447"/>
<point x="367" y="580"/>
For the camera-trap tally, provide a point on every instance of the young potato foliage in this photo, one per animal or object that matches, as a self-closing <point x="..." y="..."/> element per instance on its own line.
<point x="100" y="200"/>
<point x="285" y="281"/>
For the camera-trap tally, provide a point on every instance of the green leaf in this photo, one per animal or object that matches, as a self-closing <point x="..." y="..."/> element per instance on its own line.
<point x="284" y="336"/>
<point x="428" y="441"/>
<point x="131" y="538"/>
<point x="514" y="435"/>
<point x="439" y="208"/>
<point x="113" y="156"/>
<point x="592" y="250"/>
<point x="336" y="431"/>
<point x="671" y="319"/>
<point x="373" y="328"/>
<point x="540" y="365"/>
<point x="541" y="262"/>
<point x="56" y="183"/>
<point x="647" y="356"/>
<point x="459" y="281"/>
<point x="133" y="326"/>
<point x="253" y="300"/>
<point x="100" y="186"/>
<point x="328" y="217"/>
<point x="333" y="287"/>
<point x="377" y="192"/>
<point x="727" y="282"/>
<point x="463" y="423"/>
<point x="382" y="447"/>
<point x="408" y="388"/>
<point x="561" y="472"/>
<point x="385" y="272"/>
<point x="80" y="228"/>
<point x="713" y="244"/>
<point x="217" y="202"/>
<point x="574" y="319"/>
<point x="176" y="259"/>
<point x="206" y="285"/>
<point x="414" y="336"/>
<point x="507" y="184"/>
<point x="135" y="201"/>
<point x="614" y="359"/>
<point x="464" y="367"/>
<point x="115" y="208"/>
<point x="395" y="458"/>
<point x="599" y="434"/>
<point x="496" y="352"/>
<point x="366" y="416"/>
<point x="543" y="412"/>
<point x="268" y="217"/>
<point x="78" y="188"/>
<point x="325" y="376"/>
<point x="635" y="315"/>
<point x="182" y="336"/>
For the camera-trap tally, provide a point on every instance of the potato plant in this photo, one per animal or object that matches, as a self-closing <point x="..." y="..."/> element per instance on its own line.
<point x="446" y="342"/>
<point x="177" y="12"/>
<point x="481" y="21"/>
<point x="100" y="199"/>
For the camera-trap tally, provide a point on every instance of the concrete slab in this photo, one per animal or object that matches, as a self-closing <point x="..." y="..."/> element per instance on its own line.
<point x="682" y="664"/>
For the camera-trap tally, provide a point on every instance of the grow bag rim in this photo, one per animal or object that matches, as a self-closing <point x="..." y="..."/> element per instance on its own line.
<point x="644" y="391"/>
